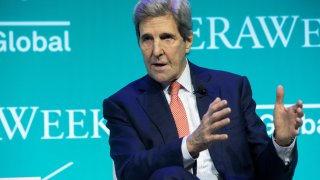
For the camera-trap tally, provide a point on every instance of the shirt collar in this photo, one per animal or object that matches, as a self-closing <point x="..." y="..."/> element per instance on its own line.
<point x="184" y="79"/>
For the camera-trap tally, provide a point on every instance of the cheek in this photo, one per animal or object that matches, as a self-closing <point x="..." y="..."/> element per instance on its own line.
<point x="145" y="57"/>
<point x="143" y="50"/>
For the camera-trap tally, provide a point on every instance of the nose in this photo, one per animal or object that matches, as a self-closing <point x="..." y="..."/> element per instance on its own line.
<point x="157" y="48"/>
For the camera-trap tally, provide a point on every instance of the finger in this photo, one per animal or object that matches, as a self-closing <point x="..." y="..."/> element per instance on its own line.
<point x="219" y="115"/>
<point x="218" y="124"/>
<point x="299" y="103"/>
<point x="279" y="95"/>
<point x="216" y="106"/>
<point x="296" y="109"/>
<point x="299" y="123"/>
<point x="300" y="112"/>
<point x="218" y="137"/>
<point x="210" y="111"/>
<point x="216" y="100"/>
<point x="296" y="132"/>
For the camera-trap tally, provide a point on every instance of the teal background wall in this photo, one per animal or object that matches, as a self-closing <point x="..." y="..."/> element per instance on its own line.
<point x="60" y="59"/>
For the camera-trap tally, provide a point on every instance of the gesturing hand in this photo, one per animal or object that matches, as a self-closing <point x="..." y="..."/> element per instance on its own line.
<point x="205" y="134"/>
<point x="286" y="120"/>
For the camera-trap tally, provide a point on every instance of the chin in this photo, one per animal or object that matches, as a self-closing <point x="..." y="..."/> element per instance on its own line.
<point x="160" y="80"/>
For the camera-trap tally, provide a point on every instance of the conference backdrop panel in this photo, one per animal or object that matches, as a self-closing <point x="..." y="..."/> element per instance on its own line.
<point x="59" y="59"/>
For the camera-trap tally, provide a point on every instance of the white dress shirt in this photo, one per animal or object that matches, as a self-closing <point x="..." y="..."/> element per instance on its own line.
<point x="205" y="166"/>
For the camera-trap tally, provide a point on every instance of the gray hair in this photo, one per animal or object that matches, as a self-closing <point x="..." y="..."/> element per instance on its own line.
<point x="179" y="9"/>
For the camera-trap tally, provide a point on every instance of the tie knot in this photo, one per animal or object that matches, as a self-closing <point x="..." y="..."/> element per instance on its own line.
<point x="174" y="88"/>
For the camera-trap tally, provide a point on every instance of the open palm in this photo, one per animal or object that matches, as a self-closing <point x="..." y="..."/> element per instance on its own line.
<point x="286" y="120"/>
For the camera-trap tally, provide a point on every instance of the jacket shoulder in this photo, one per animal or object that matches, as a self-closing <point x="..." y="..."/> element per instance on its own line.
<point x="217" y="75"/>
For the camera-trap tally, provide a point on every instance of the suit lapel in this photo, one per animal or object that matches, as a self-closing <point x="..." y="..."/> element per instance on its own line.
<point x="202" y="79"/>
<point x="156" y="106"/>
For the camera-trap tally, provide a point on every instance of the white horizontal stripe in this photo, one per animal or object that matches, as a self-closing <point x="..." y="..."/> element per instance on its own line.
<point x="22" y="178"/>
<point x="35" y="23"/>
<point x="305" y="106"/>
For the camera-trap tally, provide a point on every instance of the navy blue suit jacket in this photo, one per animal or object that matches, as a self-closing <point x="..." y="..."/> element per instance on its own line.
<point x="143" y="136"/>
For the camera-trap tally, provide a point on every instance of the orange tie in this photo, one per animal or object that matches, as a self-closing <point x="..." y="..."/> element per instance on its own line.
<point x="178" y="111"/>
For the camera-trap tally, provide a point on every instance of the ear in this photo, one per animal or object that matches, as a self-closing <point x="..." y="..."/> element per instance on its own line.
<point x="189" y="42"/>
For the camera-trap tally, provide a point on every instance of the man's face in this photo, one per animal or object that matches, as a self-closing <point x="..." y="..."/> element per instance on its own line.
<point x="163" y="48"/>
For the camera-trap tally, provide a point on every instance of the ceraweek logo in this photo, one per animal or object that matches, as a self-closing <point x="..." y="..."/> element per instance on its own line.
<point x="262" y="31"/>
<point x="12" y="40"/>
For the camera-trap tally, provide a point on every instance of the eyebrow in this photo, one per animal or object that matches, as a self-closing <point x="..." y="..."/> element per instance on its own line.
<point x="163" y="35"/>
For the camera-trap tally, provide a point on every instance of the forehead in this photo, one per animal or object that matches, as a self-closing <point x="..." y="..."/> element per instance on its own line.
<point x="160" y="24"/>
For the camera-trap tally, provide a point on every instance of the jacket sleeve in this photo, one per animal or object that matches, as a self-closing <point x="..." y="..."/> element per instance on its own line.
<point x="132" y="158"/>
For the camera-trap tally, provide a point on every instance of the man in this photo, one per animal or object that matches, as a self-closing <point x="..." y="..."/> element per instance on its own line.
<point x="182" y="121"/>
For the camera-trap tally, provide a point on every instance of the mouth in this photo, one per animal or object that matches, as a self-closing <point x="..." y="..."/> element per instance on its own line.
<point x="159" y="66"/>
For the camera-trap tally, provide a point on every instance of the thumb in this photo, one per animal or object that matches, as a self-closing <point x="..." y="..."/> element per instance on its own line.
<point x="280" y="95"/>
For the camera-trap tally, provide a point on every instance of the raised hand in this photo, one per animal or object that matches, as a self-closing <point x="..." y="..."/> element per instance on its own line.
<point x="215" y="118"/>
<point x="286" y="120"/>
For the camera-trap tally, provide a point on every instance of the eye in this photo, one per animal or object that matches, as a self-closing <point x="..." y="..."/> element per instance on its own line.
<point x="167" y="36"/>
<point x="145" y="38"/>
